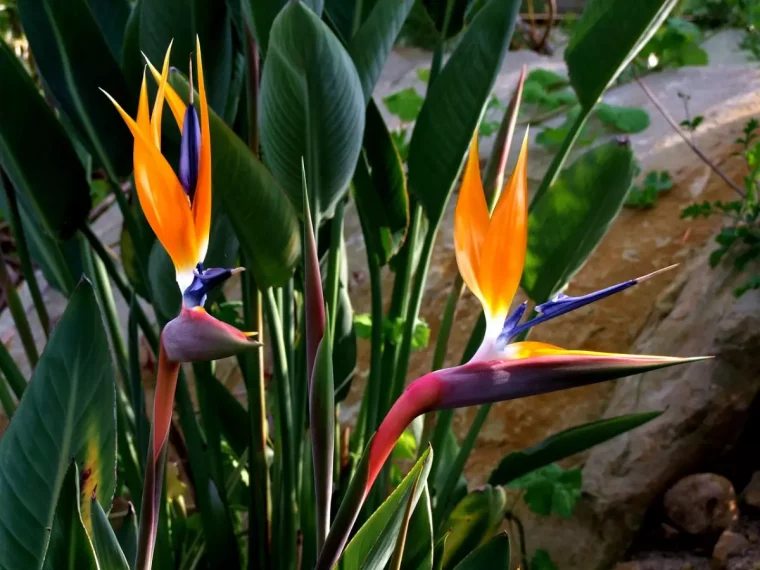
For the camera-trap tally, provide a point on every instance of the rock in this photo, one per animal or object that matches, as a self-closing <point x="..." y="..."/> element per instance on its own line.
<point x="633" y="565"/>
<point x="729" y="545"/>
<point x="751" y="493"/>
<point x="702" y="503"/>
<point x="705" y="405"/>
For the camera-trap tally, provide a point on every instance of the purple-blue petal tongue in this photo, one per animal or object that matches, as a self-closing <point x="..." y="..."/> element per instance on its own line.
<point x="562" y="304"/>
<point x="190" y="151"/>
<point x="205" y="281"/>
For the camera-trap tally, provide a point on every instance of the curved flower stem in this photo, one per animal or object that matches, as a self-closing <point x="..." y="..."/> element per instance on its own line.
<point x="163" y="404"/>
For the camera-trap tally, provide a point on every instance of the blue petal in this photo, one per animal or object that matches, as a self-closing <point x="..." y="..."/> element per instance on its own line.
<point x="190" y="151"/>
<point x="205" y="281"/>
<point x="562" y="304"/>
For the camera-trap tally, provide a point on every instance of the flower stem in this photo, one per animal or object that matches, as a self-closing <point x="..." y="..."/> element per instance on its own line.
<point x="19" y="238"/>
<point x="286" y="499"/>
<point x="17" y="312"/>
<point x="260" y="506"/>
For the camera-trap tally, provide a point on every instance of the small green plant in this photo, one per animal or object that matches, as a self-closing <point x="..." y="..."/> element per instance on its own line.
<point x="741" y="237"/>
<point x="645" y="196"/>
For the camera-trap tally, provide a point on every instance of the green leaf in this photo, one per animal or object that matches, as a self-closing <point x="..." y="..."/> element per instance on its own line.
<point x="405" y="104"/>
<point x="127" y="537"/>
<point x="372" y="545"/>
<point x="58" y="194"/>
<point x="344" y="344"/>
<point x="623" y="119"/>
<point x="606" y="38"/>
<point x="264" y="13"/>
<point x="437" y="9"/>
<point x="440" y="548"/>
<point x="547" y="79"/>
<point x="76" y="62"/>
<point x="260" y="213"/>
<point x="111" y="16"/>
<point x="494" y="555"/>
<point x="551" y="490"/>
<point x="471" y="521"/>
<point x="312" y="109"/>
<point x="370" y="46"/>
<point x="179" y="21"/>
<point x="542" y="561"/>
<point x="418" y="554"/>
<point x="107" y="549"/>
<point x="59" y="262"/>
<point x="380" y="190"/>
<point x="454" y="104"/>
<point x="69" y="547"/>
<point x="233" y="419"/>
<point x="564" y="444"/>
<point x="68" y="410"/>
<point x="569" y="221"/>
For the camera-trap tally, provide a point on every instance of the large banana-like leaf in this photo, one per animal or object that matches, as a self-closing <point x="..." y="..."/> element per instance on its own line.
<point x="258" y="209"/>
<point x="454" y="105"/>
<point x="37" y="155"/>
<point x="312" y="109"/>
<point x="70" y="547"/>
<point x="75" y="61"/>
<point x="68" y="411"/>
<point x="372" y="546"/>
<point x="566" y="224"/>
<point x="164" y="21"/>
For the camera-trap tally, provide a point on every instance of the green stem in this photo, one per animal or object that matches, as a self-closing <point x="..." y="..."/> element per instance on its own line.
<point x="333" y="265"/>
<point x="19" y="238"/>
<point x="6" y="399"/>
<point x="136" y="388"/>
<point x="285" y="429"/>
<point x="110" y="314"/>
<point x="260" y="507"/>
<point x="559" y="159"/>
<point x="121" y="284"/>
<point x="19" y="315"/>
<point x="373" y="390"/>
<point x="455" y="470"/>
<point x="12" y="374"/>
<point x="412" y="313"/>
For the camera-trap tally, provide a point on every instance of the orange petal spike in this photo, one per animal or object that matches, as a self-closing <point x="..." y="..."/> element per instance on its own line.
<point x="176" y="104"/>
<point x="505" y="244"/>
<point x="471" y="222"/>
<point x="202" y="199"/>
<point x="143" y="114"/>
<point x="158" y="106"/>
<point x="163" y="201"/>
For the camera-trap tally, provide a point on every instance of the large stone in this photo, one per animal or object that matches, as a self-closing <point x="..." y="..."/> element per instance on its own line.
<point x="705" y="407"/>
<point x="729" y="545"/>
<point x="702" y="503"/>
<point x="751" y="493"/>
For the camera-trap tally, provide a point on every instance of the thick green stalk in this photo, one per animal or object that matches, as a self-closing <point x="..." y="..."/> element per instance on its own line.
<point x="6" y="399"/>
<point x="260" y="507"/>
<point x="559" y="159"/>
<point x="412" y="313"/>
<point x="110" y="314"/>
<point x="19" y="315"/>
<point x="369" y="411"/>
<point x="137" y="394"/>
<point x="455" y="470"/>
<point x="19" y="238"/>
<point x="121" y="284"/>
<point x="10" y="370"/>
<point x="333" y="266"/>
<point x="284" y="422"/>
